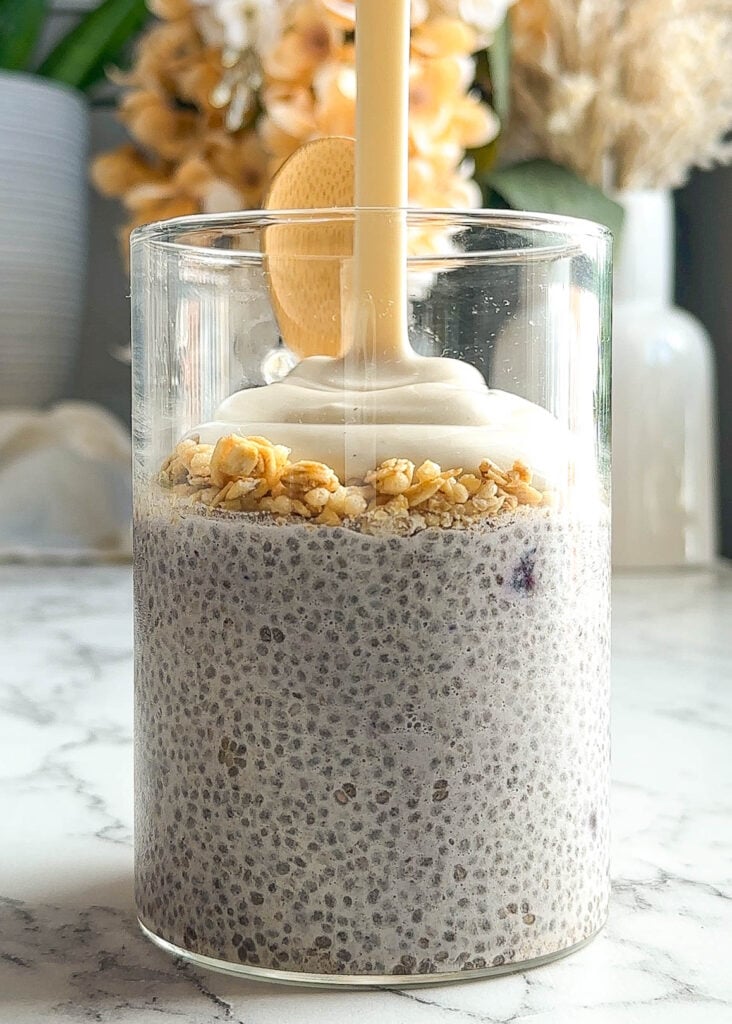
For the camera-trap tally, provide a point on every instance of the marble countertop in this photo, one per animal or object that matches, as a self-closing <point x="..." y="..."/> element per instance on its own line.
<point x="70" y="950"/>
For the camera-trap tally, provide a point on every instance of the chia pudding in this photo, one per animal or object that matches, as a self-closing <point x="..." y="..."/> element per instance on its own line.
<point x="364" y="755"/>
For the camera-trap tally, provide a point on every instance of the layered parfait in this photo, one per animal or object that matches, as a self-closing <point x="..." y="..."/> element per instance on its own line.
<point x="371" y="614"/>
<point x="373" y="737"/>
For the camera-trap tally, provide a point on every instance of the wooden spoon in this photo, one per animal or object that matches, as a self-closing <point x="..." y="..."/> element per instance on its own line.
<point x="307" y="293"/>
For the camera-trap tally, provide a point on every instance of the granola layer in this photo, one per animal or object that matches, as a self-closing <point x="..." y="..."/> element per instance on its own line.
<point x="252" y="474"/>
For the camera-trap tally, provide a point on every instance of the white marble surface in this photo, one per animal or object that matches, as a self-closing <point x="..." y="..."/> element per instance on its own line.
<point x="69" y="947"/>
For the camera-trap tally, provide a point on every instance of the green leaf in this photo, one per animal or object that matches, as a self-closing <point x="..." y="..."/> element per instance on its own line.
<point x="545" y="187"/>
<point x="499" y="65"/>
<point x="80" y="59"/>
<point x="493" y="201"/>
<point x="20" y="26"/>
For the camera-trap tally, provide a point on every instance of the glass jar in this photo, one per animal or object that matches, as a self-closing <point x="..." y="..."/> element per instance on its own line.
<point x="372" y="646"/>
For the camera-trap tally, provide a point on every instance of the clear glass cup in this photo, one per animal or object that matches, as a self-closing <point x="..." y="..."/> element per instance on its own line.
<point x="371" y="710"/>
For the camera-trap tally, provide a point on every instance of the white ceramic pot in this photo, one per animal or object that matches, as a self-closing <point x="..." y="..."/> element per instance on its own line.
<point x="43" y="153"/>
<point x="664" y="459"/>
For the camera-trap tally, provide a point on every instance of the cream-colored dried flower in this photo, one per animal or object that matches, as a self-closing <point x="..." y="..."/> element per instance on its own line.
<point x="238" y="25"/>
<point x="223" y="91"/>
<point x="310" y="91"/>
<point x="629" y="95"/>
<point x="184" y="159"/>
<point x="483" y="16"/>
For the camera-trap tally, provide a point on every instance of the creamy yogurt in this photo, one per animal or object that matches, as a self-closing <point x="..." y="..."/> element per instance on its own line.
<point x="352" y="419"/>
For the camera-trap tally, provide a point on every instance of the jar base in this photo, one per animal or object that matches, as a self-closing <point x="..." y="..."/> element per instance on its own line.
<point x="356" y="981"/>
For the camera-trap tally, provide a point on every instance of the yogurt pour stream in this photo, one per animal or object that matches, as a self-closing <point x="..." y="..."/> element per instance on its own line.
<point x="382" y="400"/>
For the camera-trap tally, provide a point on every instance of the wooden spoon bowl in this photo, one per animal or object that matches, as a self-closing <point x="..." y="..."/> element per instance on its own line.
<point x="304" y="259"/>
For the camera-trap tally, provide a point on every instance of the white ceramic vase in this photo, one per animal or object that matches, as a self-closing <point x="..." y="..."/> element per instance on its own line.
<point x="44" y="133"/>
<point x="664" y="462"/>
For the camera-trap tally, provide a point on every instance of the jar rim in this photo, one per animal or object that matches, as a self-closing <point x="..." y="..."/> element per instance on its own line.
<point x="551" y="236"/>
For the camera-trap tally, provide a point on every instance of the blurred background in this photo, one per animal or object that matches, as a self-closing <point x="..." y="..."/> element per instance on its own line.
<point x="513" y="125"/>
